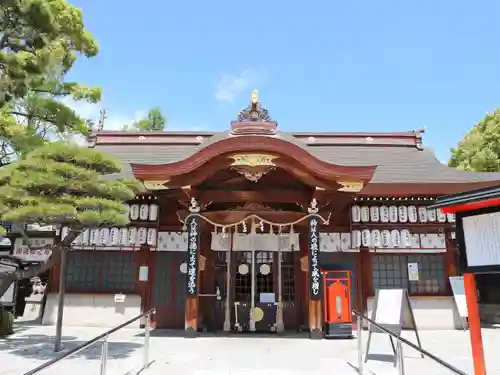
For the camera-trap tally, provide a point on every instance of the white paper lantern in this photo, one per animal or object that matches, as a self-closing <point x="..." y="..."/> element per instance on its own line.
<point x="395" y="238"/>
<point x="355" y="214"/>
<point x="103" y="236"/>
<point x="393" y="214"/>
<point x="114" y="236"/>
<point x="134" y="212"/>
<point x="86" y="237"/>
<point x="412" y="214"/>
<point x="78" y="240"/>
<point x="153" y="212"/>
<point x="422" y="214"/>
<point x="386" y="238"/>
<point x="356" y="239"/>
<point x="365" y="214"/>
<point x="374" y="214"/>
<point x="376" y="238"/>
<point x="384" y="214"/>
<point x="142" y="235"/>
<point x="64" y="232"/>
<point x="403" y="214"/>
<point x="365" y="237"/>
<point x="431" y="214"/>
<point x="144" y="212"/>
<point x="151" y="238"/>
<point x="94" y="236"/>
<point x="123" y="237"/>
<point x="405" y="238"/>
<point x="132" y="236"/>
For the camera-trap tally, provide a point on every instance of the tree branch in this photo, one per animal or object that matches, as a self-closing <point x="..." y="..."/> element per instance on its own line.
<point x="26" y="115"/>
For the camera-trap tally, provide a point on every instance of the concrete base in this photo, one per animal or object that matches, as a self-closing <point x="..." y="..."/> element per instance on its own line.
<point x="33" y="309"/>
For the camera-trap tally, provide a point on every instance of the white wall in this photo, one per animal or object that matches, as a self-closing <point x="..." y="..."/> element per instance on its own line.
<point x="430" y="313"/>
<point x="93" y="310"/>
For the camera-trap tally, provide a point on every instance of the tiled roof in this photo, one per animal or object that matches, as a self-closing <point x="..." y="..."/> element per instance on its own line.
<point x="399" y="156"/>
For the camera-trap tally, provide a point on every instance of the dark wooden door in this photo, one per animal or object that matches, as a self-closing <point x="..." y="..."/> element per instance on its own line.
<point x="169" y="289"/>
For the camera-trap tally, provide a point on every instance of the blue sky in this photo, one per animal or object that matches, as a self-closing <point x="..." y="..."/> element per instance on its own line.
<point x="382" y="65"/>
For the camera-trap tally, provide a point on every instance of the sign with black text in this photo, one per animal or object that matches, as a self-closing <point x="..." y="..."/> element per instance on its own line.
<point x="193" y="232"/>
<point x="314" y="267"/>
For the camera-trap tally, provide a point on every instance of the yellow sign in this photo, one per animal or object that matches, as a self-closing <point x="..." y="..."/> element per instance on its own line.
<point x="350" y="186"/>
<point x="253" y="160"/>
<point x="155" y="185"/>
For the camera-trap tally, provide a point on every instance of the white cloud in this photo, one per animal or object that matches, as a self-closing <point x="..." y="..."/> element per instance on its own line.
<point x="92" y="111"/>
<point x="230" y="86"/>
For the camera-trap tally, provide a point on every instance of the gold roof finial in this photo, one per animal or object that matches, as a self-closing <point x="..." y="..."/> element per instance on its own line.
<point x="255" y="96"/>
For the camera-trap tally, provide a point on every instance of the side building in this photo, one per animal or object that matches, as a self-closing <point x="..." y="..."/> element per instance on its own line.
<point x="247" y="202"/>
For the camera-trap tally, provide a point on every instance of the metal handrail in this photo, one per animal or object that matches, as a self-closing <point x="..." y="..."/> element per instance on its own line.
<point x="104" y="351"/>
<point x="399" y="349"/>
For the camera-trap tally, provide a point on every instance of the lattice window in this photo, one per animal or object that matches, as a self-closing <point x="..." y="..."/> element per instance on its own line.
<point x="287" y="276"/>
<point x="391" y="272"/>
<point x="92" y="271"/>
<point x="262" y="257"/>
<point x="243" y="287"/>
<point x="242" y="283"/>
<point x="288" y="283"/>
<point x="264" y="283"/>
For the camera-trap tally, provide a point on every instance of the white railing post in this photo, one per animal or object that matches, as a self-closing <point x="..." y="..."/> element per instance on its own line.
<point x="145" y="364"/>
<point x="359" y="321"/>
<point x="400" y="358"/>
<point x="104" y="355"/>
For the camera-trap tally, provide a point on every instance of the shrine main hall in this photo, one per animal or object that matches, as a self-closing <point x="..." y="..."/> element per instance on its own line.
<point x="258" y="229"/>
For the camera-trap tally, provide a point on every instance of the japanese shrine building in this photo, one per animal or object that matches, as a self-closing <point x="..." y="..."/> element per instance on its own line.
<point x="264" y="213"/>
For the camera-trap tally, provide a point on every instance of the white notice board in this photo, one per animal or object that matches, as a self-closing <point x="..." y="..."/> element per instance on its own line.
<point x="458" y="289"/>
<point x="482" y="239"/>
<point x="413" y="272"/>
<point x="389" y="307"/>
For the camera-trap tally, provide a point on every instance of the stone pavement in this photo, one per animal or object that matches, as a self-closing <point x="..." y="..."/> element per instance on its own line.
<point x="236" y="354"/>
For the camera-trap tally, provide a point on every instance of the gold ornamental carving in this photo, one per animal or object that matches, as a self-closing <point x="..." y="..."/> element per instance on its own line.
<point x="350" y="186"/>
<point x="156" y="185"/>
<point x="253" y="166"/>
<point x="253" y="160"/>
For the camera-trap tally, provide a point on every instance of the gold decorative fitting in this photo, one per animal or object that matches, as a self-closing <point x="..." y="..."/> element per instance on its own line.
<point x="155" y="185"/>
<point x="255" y="96"/>
<point x="253" y="160"/>
<point x="252" y="176"/>
<point x="350" y="186"/>
<point x="253" y="166"/>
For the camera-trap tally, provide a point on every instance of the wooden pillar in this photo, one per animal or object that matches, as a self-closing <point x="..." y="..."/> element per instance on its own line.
<point x="314" y="277"/>
<point x="193" y="252"/>
<point x="474" y="325"/>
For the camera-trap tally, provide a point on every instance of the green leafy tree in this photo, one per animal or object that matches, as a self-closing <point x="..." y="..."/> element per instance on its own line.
<point x="154" y="122"/>
<point x="479" y="150"/>
<point x="65" y="185"/>
<point x="39" y="42"/>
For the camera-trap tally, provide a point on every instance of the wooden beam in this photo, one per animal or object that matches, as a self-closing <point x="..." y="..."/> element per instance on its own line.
<point x="255" y="196"/>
